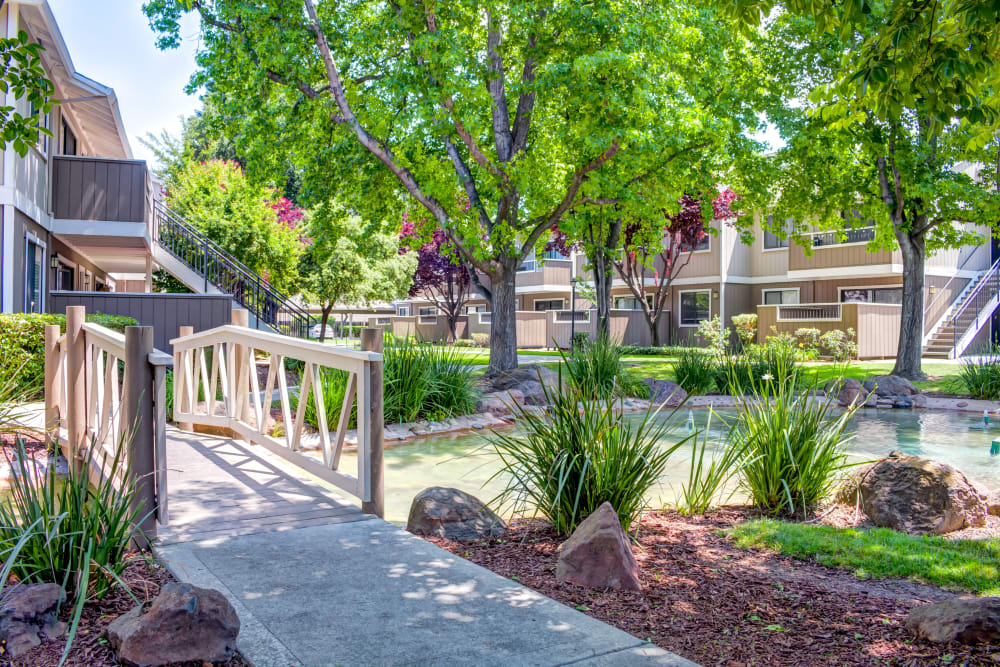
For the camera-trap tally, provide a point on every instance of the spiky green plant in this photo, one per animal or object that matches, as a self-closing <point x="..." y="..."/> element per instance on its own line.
<point x="980" y="373"/>
<point x="706" y="481"/>
<point x="596" y="369"/>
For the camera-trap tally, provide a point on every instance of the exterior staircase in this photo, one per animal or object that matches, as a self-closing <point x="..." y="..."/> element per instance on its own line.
<point x="967" y="316"/>
<point x="205" y="268"/>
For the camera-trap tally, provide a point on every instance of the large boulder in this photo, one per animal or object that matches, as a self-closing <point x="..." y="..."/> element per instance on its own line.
<point x="499" y="403"/>
<point x="890" y="385"/>
<point x="598" y="554"/>
<point x="28" y="616"/>
<point x="183" y="623"/>
<point x="848" y="390"/>
<point x="529" y="380"/>
<point x="440" y="511"/>
<point x="966" y="620"/>
<point x="993" y="503"/>
<point x="920" y="496"/>
<point x="666" y="392"/>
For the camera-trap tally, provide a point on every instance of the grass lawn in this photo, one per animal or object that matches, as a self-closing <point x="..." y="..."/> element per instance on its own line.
<point x="970" y="565"/>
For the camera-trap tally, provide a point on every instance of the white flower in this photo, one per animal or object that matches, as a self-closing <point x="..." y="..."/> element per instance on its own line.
<point x="766" y="376"/>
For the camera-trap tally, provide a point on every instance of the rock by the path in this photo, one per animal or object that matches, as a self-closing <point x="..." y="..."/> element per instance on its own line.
<point x="993" y="503"/>
<point x="529" y="380"/>
<point x="598" y="554"/>
<point x="29" y="615"/>
<point x="890" y="385"/>
<point x="498" y="403"/>
<point x="966" y="620"/>
<point x="183" y="623"/>
<point x="920" y="496"/>
<point x="440" y="511"/>
<point x="848" y="391"/>
<point x="665" y="392"/>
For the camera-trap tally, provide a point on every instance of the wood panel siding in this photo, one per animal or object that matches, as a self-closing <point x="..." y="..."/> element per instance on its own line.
<point x="946" y="291"/>
<point x="31" y="177"/>
<point x="876" y="326"/>
<point x="86" y="188"/>
<point x="532" y="330"/>
<point x="166" y="313"/>
<point x="553" y="272"/>
<point x="835" y="256"/>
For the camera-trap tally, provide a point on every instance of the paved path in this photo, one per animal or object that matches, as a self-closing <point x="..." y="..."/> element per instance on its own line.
<point x="315" y="582"/>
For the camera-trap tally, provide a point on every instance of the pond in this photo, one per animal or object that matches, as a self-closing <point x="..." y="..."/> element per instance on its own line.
<point x="466" y="461"/>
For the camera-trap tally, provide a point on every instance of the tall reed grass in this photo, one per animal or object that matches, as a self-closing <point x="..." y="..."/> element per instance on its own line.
<point x="980" y="373"/>
<point x="595" y="368"/>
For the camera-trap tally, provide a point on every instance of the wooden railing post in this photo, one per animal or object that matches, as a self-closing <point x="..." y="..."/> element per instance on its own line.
<point x="182" y="378"/>
<point x="371" y="341"/>
<point x="140" y="422"/>
<point x="76" y="384"/>
<point x="53" y="384"/>
<point x="239" y="390"/>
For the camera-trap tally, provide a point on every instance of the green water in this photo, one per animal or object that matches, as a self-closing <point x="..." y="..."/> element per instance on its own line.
<point x="467" y="462"/>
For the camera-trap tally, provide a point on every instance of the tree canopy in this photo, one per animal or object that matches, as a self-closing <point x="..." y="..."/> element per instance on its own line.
<point x="22" y="74"/>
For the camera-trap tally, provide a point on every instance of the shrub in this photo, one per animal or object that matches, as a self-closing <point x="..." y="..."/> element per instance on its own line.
<point x="597" y="371"/>
<point x="981" y="374"/>
<point x="333" y="386"/>
<point x="639" y="351"/>
<point x="580" y="340"/>
<point x="839" y="345"/>
<point x="745" y="325"/>
<point x="22" y="344"/>
<point x="736" y="372"/>
<point x="790" y="445"/>
<point x="808" y="340"/>
<point x="565" y="462"/>
<point x="464" y="342"/>
<point x="694" y="370"/>
<point x="712" y="335"/>
<point x="425" y="381"/>
<point x="481" y="339"/>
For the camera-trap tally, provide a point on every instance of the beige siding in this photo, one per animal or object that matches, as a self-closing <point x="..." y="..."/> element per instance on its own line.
<point x="946" y="291"/>
<point x="835" y="256"/>
<point x="968" y="258"/>
<point x="553" y="272"/>
<point x="736" y="257"/>
<point x="31" y="177"/>
<point x="766" y="262"/>
<point x="876" y="326"/>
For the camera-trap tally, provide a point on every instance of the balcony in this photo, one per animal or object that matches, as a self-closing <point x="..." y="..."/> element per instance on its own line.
<point x="100" y="189"/>
<point x="832" y="250"/>
<point x="875" y="324"/>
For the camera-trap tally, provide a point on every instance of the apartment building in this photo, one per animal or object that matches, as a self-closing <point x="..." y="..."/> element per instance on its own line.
<point x="838" y="285"/>
<point x="76" y="208"/>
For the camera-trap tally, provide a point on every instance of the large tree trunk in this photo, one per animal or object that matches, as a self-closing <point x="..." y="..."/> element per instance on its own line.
<point x="654" y="329"/>
<point x="503" y="323"/>
<point x="452" y="329"/>
<point x="603" y="275"/>
<point x="911" y="325"/>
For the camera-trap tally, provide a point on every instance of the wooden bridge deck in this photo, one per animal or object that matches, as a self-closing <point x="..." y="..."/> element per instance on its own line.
<point x="218" y="487"/>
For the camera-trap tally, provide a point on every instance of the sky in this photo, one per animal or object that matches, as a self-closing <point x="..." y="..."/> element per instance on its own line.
<point x="149" y="83"/>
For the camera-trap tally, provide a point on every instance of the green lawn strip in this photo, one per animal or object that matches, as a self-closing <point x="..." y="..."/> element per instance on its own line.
<point x="969" y="565"/>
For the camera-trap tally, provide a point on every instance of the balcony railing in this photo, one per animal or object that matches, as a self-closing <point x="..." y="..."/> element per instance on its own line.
<point x="809" y="312"/>
<point x="108" y="190"/>
<point x="860" y="235"/>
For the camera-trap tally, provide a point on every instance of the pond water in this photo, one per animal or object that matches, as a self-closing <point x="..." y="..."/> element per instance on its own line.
<point x="467" y="462"/>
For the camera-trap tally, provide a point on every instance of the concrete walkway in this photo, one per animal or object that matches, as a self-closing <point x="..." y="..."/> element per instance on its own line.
<point x="315" y="582"/>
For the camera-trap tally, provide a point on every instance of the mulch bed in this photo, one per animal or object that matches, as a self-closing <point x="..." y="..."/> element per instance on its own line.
<point x="90" y="649"/>
<point x="716" y="604"/>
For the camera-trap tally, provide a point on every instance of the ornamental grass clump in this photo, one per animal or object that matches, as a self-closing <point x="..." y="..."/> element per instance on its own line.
<point x="981" y="374"/>
<point x="694" y="370"/>
<point x="425" y="381"/>
<point x="565" y="462"/>
<point x="707" y="480"/>
<point x="596" y="369"/>
<point x="789" y="444"/>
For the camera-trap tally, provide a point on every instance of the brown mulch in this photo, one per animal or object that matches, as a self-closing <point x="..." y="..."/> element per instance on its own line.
<point x="90" y="649"/>
<point x="716" y="604"/>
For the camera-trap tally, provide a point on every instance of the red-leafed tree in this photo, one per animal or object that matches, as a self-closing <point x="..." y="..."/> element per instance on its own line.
<point x="648" y="254"/>
<point x="440" y="276"/>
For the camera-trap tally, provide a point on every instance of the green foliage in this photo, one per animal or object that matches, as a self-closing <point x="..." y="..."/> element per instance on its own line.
<point x="22" y="74"/>
<point x="333" y="387"/>
<point x="746" y="328"/>
<point x="706" y="482"/>
<point x="839" y="345"/>
<point x="596" y="371"/>
<point x="970" y="565"/>
<point x="425" y="381"/>
<point x="481" y="339"/>
<point x="790" y="444"/>
<point x="564" y="463"/>
<point x="351" y="262"/>
<point x="980" y="373"/>
<point x="72" y="531"/>
<point x="22" y="345"/>
<point x="808" y="340"/>
<point x="694" y="370"/>
<point x="654" y="351"/>
<point x="464" y="342"/>
<point x="711" y="334"/>
<point x="217" y="198"/>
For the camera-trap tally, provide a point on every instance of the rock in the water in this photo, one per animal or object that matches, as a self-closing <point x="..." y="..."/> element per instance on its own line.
<point x="848" y="391"/>
<point x="665" y="392"/>
<point x="902" y="402"/>
<point x="499" y="403"/>
<point x="183" y="623"/>
<point x="527" y="379"/>
<point x="439" y="511"/>
<point x="890" y="385"/>
<point x="29" y="615"/>
<point x="920" y="496"/>
<point x="993" y="503"/>
<point x="598" y="554"/>
<point x="969" y="621"/>
<point x="919" y="401"/>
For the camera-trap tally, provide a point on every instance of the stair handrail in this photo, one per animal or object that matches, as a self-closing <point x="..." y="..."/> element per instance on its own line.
<point x="970" y="300"/>
<point x="230" y="262"/>
<point x="944" y="289"/>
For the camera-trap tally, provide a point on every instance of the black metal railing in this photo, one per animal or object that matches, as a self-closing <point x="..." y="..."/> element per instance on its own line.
<point x="978" y="299"/>
<point x="861" y="235"/>
<point x="217" y="267"/>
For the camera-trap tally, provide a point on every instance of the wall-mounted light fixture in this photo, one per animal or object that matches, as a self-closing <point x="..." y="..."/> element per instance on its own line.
<point x="715" y="294"/>
<point x="54" y="260"/>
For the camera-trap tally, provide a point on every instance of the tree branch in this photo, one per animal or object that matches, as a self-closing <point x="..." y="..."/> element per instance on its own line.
<point x="495" y="85"/>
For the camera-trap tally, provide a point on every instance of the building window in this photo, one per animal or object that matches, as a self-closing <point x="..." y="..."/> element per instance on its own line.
<point x="695" y="307"/>
<point x="771" y="240"/>
<point x="779" y="297"/>
<point x="34" y="275"/>
<point x="549" y="304"/>
<point x="702" y="246"/>
<point x="631" y="303"/>
<point x="554" y="254"/>
<point x="872" y="295"/>
<point x="403" y="311"/>
<point x="528" y="264"/>
<point x="475" y="309"/>
<point x="64" y="277"/>
<point x="425" y="311"/>
<point x="69" y="139"/>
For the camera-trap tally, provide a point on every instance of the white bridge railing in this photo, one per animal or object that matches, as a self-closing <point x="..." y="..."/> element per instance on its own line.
<point x="216" y="384"/>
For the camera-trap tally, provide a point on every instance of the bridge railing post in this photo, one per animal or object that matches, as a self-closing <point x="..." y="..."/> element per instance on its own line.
<point x="140" y="422"/>
<point x="183" y="369"/>
<point x="76" y="384"/>
<point x="54" y="408"/>
<point x="371" y="341"/>
<point x="240" y="389"/>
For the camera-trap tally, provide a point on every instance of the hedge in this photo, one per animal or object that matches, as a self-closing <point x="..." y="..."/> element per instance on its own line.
<point x="22" y="345"/>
